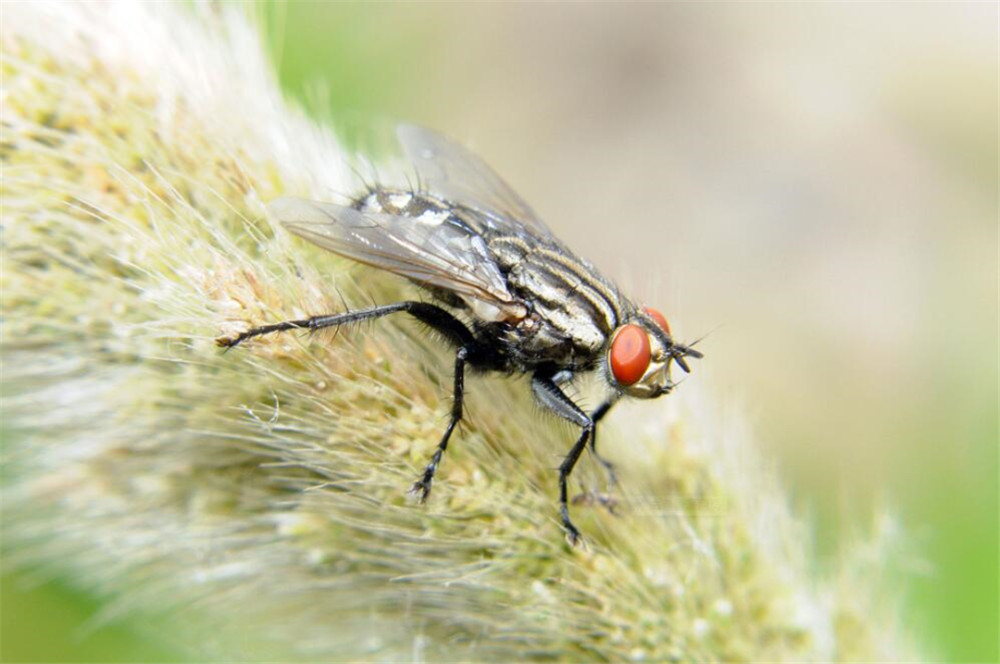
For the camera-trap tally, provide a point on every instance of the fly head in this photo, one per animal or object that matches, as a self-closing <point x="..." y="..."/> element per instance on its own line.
<point x="640" y="353"/>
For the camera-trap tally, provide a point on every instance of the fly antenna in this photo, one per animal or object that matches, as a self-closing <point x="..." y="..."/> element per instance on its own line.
<point x="702" y="337"/>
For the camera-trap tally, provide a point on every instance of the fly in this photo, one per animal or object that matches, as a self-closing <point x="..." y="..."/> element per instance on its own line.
<point x="508" y="295"/>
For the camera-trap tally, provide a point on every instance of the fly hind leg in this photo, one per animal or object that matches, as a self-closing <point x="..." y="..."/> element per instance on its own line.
<point x="442" y="321"/>
<point x="453" y="330"/>
<point x="317" y="322"/>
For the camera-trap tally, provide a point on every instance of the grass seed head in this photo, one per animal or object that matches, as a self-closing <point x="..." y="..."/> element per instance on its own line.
<point x="265" y="487"/>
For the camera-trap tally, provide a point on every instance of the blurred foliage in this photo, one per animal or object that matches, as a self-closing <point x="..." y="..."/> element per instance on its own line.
<point x="52" y="622"/>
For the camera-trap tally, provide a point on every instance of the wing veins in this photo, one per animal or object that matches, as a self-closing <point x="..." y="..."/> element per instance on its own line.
<point x="438" y="262"/>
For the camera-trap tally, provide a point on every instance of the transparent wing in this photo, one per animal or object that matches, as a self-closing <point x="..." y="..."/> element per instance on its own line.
<point x="447" y="255"/>
<point x="450" y="171"/>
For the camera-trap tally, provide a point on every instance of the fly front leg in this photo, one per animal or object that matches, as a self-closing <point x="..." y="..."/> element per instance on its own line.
<point x="564" y="377"/>
<point x="422" y="488"/>
<point x="549" y="395"/>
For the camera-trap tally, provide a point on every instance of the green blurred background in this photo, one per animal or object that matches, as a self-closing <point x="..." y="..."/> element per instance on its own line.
<point x="818" y="180"/>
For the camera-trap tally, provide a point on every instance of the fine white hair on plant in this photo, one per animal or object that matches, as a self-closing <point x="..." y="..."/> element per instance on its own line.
<point x="256" y="499"/>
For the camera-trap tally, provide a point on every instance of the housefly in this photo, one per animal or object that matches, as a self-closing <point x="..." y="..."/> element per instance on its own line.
<point x="506" y="294"/>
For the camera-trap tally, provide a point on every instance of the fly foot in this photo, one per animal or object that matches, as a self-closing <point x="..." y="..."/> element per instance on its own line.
<point x="573" y="536"/>
<point x="228" y="342"/>
<point x="420" y="490"/>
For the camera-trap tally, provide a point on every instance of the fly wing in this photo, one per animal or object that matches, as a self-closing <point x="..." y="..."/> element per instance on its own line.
<point x="450" y="171"/>
<point x="446" y="255"/>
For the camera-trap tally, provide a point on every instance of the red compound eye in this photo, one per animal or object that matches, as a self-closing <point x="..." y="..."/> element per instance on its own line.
<point x="660" y="319"/>
<point x="629" y="355"/>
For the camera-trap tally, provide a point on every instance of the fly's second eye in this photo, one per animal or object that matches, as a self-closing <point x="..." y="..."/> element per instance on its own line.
<point x="629" y="355"/>
<point x="660" y="319"/>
